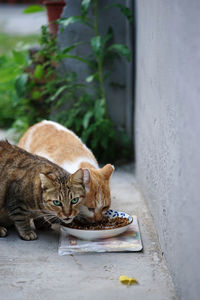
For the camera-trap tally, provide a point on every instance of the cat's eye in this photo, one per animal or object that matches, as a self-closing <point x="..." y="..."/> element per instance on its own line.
<point x="57" y="203"/>
<point x="75" y="200"/>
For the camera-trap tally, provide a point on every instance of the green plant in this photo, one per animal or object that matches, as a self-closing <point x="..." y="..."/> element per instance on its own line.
<point x="30" y="86"/>
<point x="9" y="42"/>
<point x="37" y="8"/>
<point x="89" y="116"/>
<point x="10" y="67"/>
<point x="39" y="88"/>
<point x="34" y="9"/>
<point x="41" y="92"/>
<point x="12" y="64"/>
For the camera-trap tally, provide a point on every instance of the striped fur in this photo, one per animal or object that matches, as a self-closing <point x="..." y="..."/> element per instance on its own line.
<point x="30" y="186"/>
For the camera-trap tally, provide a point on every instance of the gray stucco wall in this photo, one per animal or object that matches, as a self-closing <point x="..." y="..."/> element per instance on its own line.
<point x="120" y="101"/>
<point x="167" y="128"/>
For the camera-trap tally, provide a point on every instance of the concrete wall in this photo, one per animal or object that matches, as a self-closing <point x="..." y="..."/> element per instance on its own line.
<point x="120" y="101"/>
<point x="168" y="131"/>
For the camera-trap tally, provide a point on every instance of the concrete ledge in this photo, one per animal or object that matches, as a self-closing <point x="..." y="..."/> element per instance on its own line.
<point x="30" y="270"/>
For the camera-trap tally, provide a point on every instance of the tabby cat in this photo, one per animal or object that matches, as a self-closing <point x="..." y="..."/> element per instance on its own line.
<point x="31" y="187"/>
<point x="63" y="147"/>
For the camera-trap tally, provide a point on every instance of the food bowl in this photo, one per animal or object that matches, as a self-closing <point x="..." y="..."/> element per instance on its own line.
<point x="106" y="232"/>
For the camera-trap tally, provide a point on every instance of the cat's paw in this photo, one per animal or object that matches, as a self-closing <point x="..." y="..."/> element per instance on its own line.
<point x="28" y="236"/>
<point x="3" y="231"/>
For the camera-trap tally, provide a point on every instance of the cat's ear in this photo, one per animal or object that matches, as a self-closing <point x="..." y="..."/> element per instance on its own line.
<point x="86" y="176"/>
<point x="107" y="171"/>
<point x="46" y="181"/>
<point x="77" y="177"/>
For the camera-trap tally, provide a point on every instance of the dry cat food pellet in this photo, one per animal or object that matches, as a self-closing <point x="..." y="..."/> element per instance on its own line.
<point x="106" y="223"/>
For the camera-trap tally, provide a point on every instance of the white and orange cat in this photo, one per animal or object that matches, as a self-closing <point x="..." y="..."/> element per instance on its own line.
<point x="61" y="146"/>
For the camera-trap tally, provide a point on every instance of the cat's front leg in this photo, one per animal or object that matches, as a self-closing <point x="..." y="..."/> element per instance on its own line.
<point x="24" y="229"/>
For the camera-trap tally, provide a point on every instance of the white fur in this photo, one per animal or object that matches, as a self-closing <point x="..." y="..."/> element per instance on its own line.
<point x="99" y="204"/>
<point x="86" y="176"/>
<point x="43" y="154"/>
<point x="29" y="139"/>
<point x="72" y="166"/>
<point x="56" y="125"/>
<point x="87" y="189"/>
<point x="86" y="212"/>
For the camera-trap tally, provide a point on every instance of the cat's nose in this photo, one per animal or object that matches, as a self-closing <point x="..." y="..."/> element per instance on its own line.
<point x="67" y="219"/>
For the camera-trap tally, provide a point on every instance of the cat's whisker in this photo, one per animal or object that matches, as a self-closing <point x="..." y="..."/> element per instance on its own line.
<point x="42" y="215"/>
<point x="52" y="218"/>
<point x="39" y="216"/>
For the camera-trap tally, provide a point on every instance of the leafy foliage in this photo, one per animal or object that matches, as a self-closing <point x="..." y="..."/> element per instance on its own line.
<point x="30" y="87"/>
<point x="9" y="42"/>
<point x="89" y="117"/>
<point x="33" y="9"/>
<point x="9" y="70"/>
<point x="39" y="92"/>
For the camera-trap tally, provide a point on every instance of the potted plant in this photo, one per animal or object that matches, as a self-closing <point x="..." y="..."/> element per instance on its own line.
<point x="11" y="1"/>
<point x="54" y="9"/>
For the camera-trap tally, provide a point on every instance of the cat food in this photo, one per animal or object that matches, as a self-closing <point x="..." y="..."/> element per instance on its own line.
<point x="106" y="223"/>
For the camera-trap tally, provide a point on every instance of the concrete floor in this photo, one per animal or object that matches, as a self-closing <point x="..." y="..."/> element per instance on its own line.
<point x="31" y="270"/>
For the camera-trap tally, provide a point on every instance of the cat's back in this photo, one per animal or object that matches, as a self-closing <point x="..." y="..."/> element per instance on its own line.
<point x="17" y="162"/>
<point x="14" y="155"/>
<point x="57" y="143"/>
<point x="13" y="161"/>
<point x="8" y="153"/>
<point x="4" y="148"/>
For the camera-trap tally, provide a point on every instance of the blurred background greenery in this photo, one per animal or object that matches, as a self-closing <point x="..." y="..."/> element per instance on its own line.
<point x="9" y="42"/>
<point x="33" y="87"/>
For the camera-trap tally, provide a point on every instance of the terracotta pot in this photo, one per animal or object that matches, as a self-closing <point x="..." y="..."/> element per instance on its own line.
<point x="11" y="1"/>
<point x="54" y="11"/>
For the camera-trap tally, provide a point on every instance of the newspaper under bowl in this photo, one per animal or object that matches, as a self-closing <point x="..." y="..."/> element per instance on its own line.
<point x="87" y="234"/>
